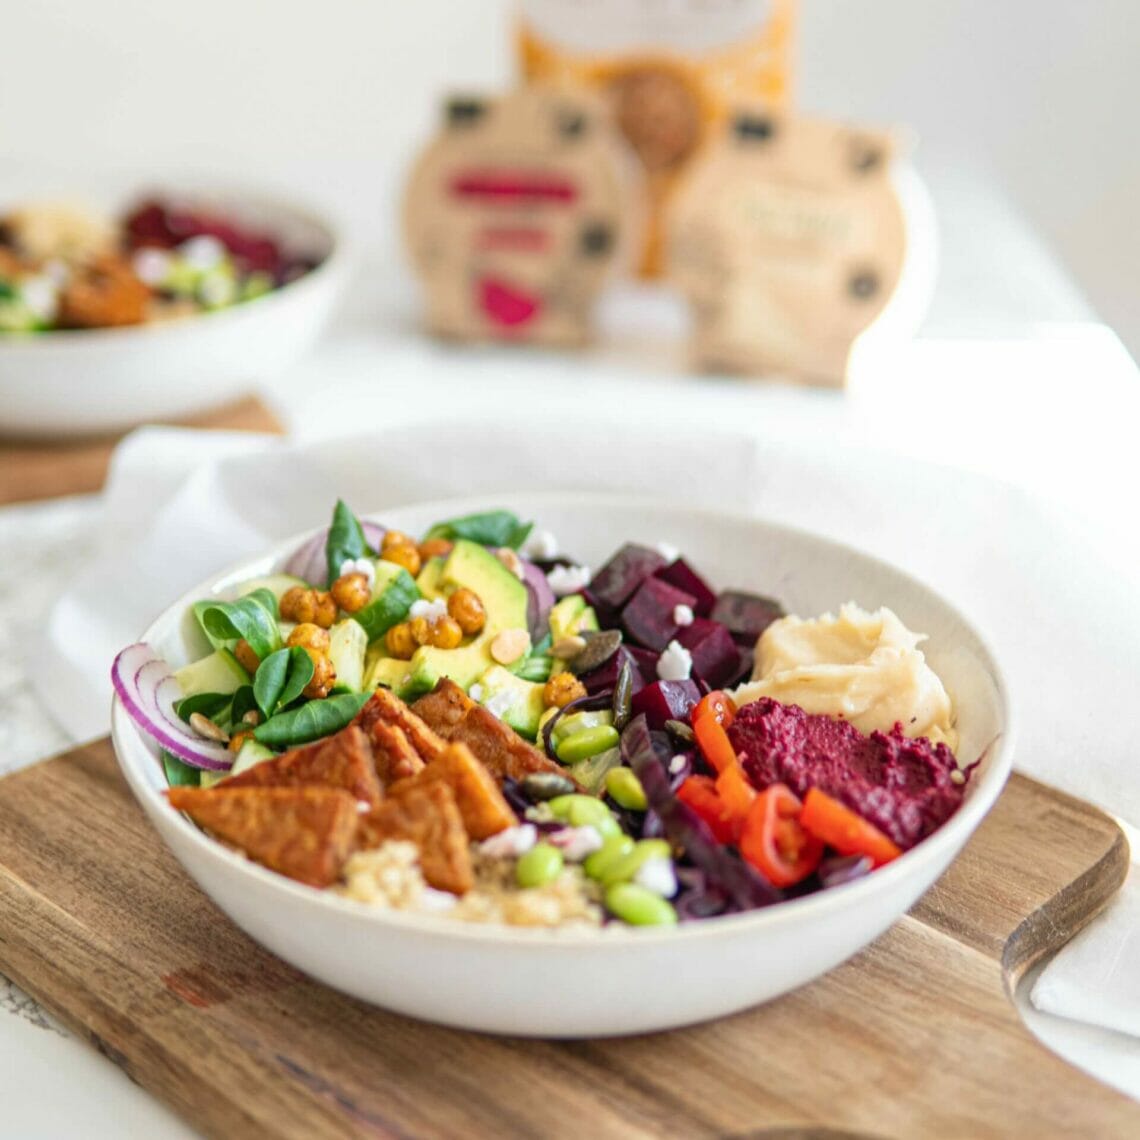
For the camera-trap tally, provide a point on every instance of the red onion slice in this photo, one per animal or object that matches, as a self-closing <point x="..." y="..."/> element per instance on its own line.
<point x="308" y="561"/>
<point x="148" y="690"/>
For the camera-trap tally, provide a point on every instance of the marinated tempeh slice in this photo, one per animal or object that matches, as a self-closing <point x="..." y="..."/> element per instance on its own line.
<point x="481" y="804"/>
<point x="450" y="712"/>
<point x="395" y="757"/>
<point x="427" y="815"/>
<point x="340" y="761"/>
<point x="305" y="833"/>
<point x="385" y="707"/>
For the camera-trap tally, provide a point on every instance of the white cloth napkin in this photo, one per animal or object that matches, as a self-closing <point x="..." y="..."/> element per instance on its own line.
<point x="180" y="505"/>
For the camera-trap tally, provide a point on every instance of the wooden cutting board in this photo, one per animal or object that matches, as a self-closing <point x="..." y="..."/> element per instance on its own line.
<point x="46" y="469"/>
<point x="914" y="1037"/>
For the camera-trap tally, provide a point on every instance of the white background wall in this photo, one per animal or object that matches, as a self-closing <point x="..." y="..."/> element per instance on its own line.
<point x="334" y="95"/>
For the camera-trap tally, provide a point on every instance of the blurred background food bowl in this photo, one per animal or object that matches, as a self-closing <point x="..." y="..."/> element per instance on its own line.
<point x="89" y="381"/>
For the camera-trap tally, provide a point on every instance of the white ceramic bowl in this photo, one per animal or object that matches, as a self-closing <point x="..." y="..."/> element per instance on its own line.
<point x="88" y="381"/>
<point x="622" y="980"/>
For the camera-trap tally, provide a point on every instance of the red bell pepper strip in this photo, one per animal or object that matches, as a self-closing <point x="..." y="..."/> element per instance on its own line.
<point x="774" y="841"/>
<point x="700" y="794"/>
<point x="737" y="795"/>
<point x="848" y="832"/>
<point x="712" y="716"/>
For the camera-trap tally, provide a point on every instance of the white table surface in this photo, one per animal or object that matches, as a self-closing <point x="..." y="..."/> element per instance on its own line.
<point x="1009" y="365"/>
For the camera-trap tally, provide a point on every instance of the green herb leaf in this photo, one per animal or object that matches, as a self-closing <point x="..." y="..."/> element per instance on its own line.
<point x="244" y="701"/>
<point x="280" y="679"/>
<point x="208" y="704"/>
<point x="345" y="540"/>
<point x="490" y="528"/>
<point x="542" y="646"/>
<point x="179" y="774"/>
<point x="253" y="617"/>
<point x="390" y="608"/>
<point x="310" y="721"/>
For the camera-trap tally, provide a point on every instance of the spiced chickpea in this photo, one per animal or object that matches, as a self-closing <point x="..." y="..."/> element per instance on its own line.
<point x="247" y="659"/>
<point x="324" y="676"/>
<point x="351" y="592"/>
<point x="466" y="608"/>
<point x="309" y="635"/>
<point x="421" y="630"/>
<point x="444" y="633"/>
<point x="434" y="548"/>
<point x="298" y="604"/>
<point x="399" y="642"/>
<point x="561" y="689"/>
<point x="403" y="554"/>
<point x="239" y="738"/>
<point x="326" y="609"/>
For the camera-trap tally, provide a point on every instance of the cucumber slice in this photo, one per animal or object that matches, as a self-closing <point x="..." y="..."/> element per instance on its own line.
<point x="251" y="752"/>
<point x="348" y="644"/>
<point x="208" y="779"/>
<point x="218" y="673"/>
<point x="276" y="584"/>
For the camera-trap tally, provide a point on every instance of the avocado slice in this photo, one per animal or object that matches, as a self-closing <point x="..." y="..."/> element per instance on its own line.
<point x="217" y="673"/>
<point x="514" y="701"/>
<point x="390" y="672"/>
<point x="428" y="580"/>
<point x="464" y="665"/>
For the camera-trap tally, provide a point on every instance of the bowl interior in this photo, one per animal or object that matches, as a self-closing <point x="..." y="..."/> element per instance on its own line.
<point x="809" y="574"/>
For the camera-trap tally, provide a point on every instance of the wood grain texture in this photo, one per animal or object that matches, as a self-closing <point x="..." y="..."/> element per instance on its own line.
<point x="37" y="469"/>
<point x="914" y="1037"/>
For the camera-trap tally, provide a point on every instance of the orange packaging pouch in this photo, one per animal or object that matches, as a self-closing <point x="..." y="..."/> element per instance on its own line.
<point x="671" y="71"/>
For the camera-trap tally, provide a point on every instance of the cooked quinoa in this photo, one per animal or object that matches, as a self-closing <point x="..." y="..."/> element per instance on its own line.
<point x="389" y="877"/>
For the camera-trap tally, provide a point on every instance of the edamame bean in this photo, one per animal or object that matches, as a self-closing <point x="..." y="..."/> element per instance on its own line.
<point x="542" y="864"/>
<point x="625" y="789"/>
<point x="581" y="811"/>
<point x="577" y="721"/>
<point x="612" y="849"/>
<point x="624" y="869"/>
<point x="639" y="907"/>
<point x="587" y="742"/>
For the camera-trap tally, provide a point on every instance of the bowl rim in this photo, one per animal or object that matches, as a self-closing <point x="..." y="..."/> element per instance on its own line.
<point x="132" y="753"/>
<point x="335" y="261"/>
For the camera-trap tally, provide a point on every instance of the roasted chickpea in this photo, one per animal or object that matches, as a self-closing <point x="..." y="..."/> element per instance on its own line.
<point x="351" y="592"/>
<point x="247" y="659"/>
<point x="467" y="609"/>
<point x="324" y="675"/>
<point x="326" y="609"/>
<point x="399" y="642"/>
<point x="403" y="554"/>
<point x="297" y="604"/>
<point x="434" y="548"/>
<point x="239" y="738"/>
<point x="421" y="630"/>
<point x="445" y="633"/>
<point x="311" y="636"/>
<point x="561" y="689"/>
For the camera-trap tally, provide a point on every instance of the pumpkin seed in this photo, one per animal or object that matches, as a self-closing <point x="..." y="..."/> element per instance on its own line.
<point x="600" y="647"/>
<point x="623" y="695"/>
<point x="680" y="730"/>
<point x="540" y="786"/>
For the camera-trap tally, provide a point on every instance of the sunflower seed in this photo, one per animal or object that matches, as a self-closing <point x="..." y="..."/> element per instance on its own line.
<point x="567" y="648"/>
<point x="205" y="727"/>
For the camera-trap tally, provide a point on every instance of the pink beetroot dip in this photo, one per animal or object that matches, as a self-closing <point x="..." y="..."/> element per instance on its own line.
<point x="902" y="786"/>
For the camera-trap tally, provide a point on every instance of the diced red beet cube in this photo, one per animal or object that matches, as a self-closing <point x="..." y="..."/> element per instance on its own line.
<point x="648" y="616"/>
<point x="605" y="675"/>
<point x="666" y="700"/>
<point x="613" y="585"/>
<point x="716" y="659"/>
<point x="743" y="669"/>
<point x="746" y="616"/>
<point x="645" y="660"/>
<point x="684" y="577"/>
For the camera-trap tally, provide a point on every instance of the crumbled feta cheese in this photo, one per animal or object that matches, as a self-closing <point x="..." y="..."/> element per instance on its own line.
<point x="677" y="764"/>
<point x="363" y="566"/>
<point x="565" y="580"/>
<point x="510" y="843"/>
<point x="151" y="266"/>
<point x="657" y="875"/>
<point x="668" y="551"/>
<point x="498" y="703"/>
<point x="433" y="611"/>
<point x="576" y="843"/>
<point x="540" y="544"/>
<point x="40" y="295"/>
<point x="683" y="615"/>
<point x="475" y="692"/>
<point x="203" y="252"/>
<point x="363" y="806"/>
<point x="675" y="664"/>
